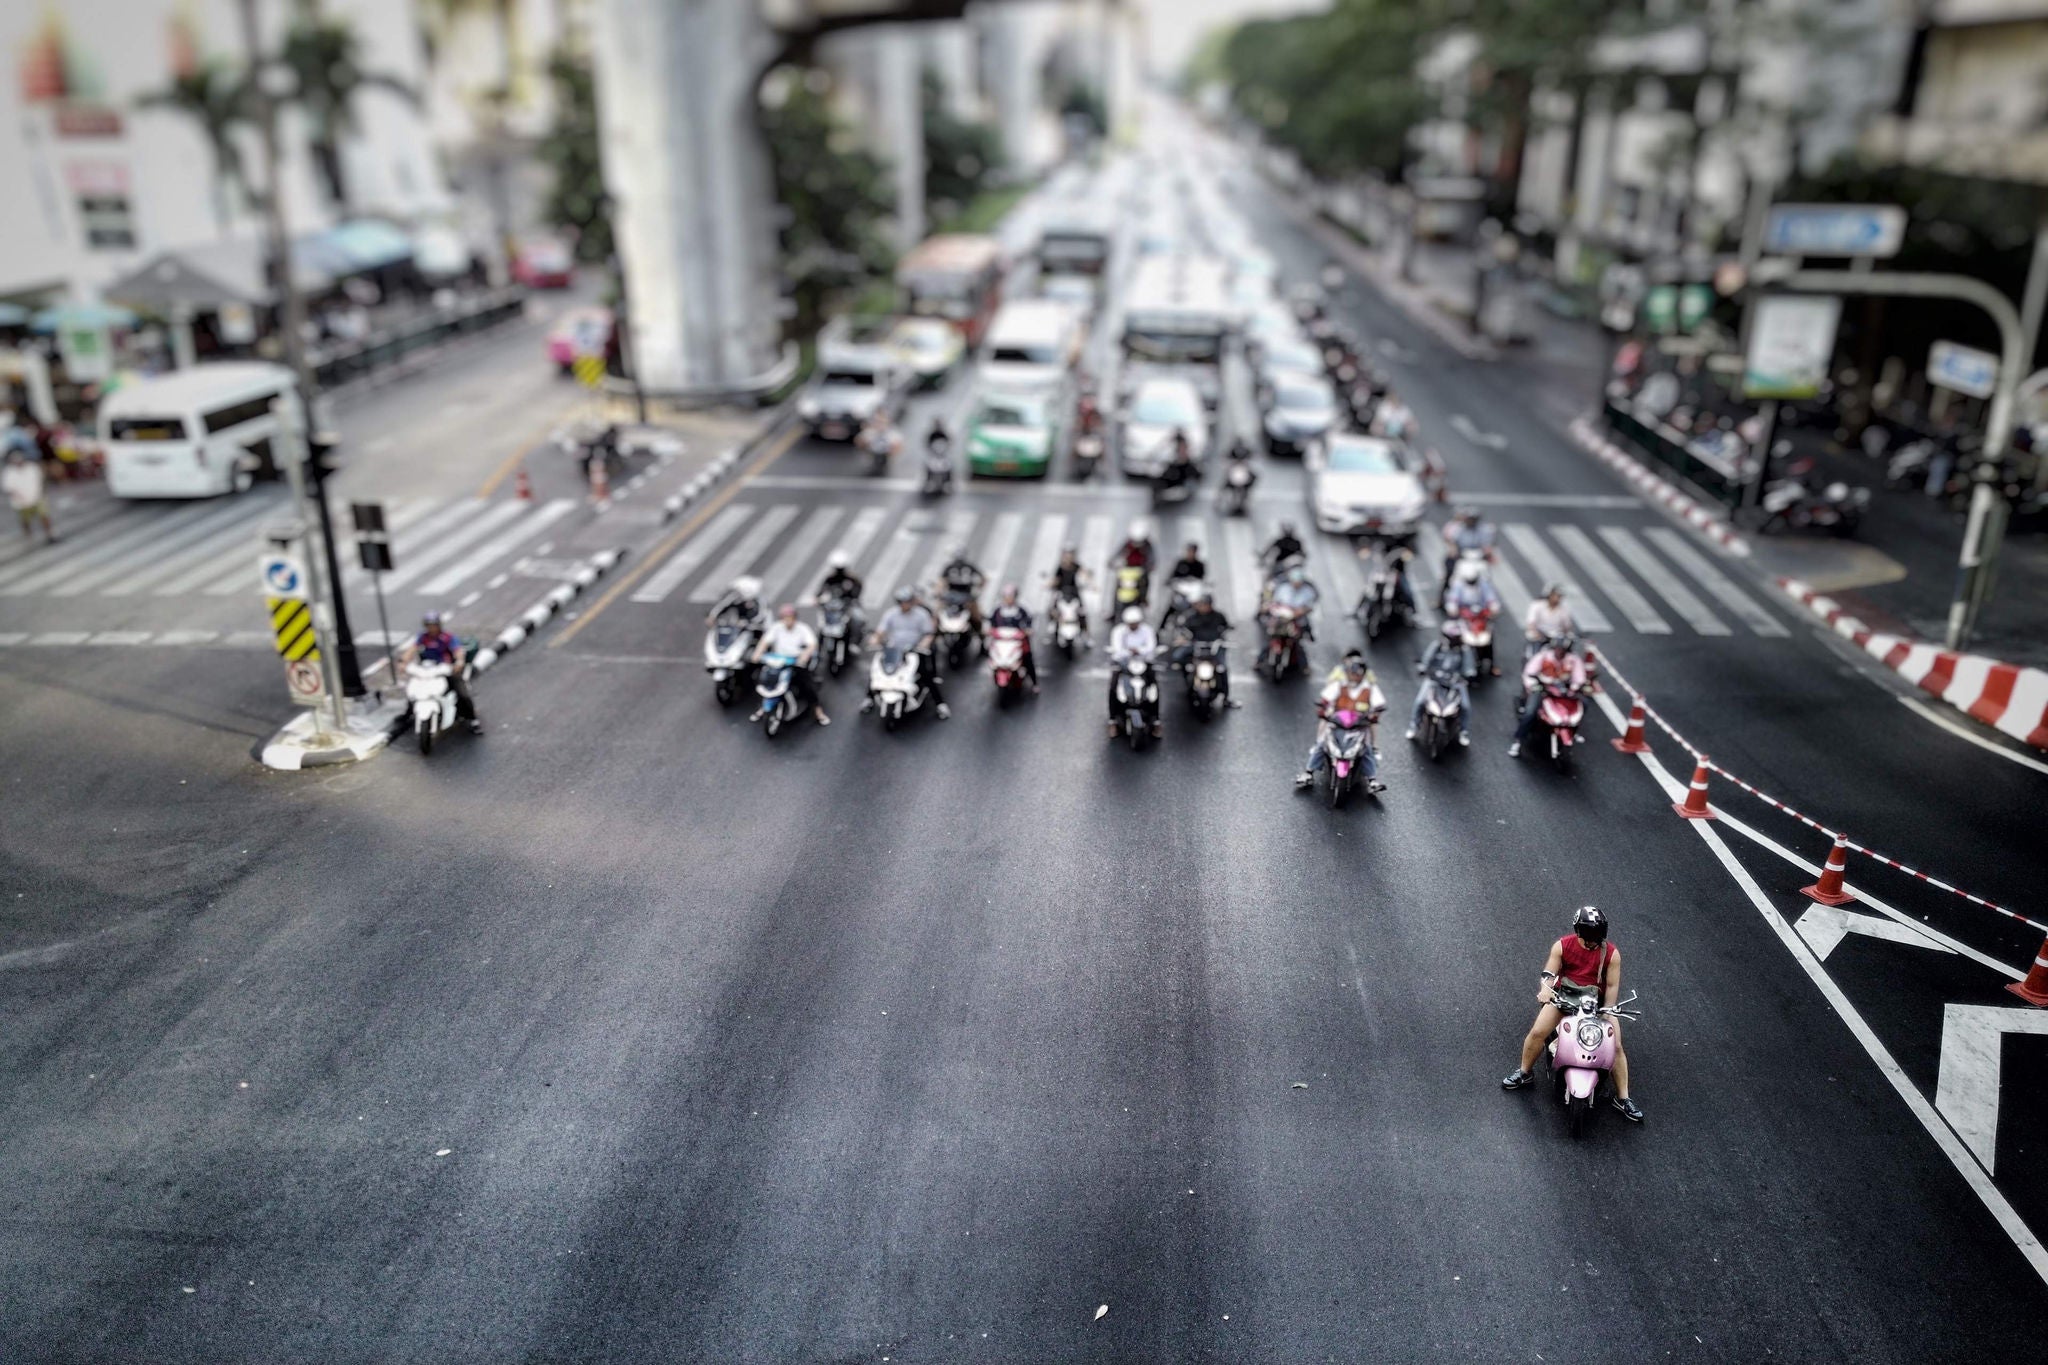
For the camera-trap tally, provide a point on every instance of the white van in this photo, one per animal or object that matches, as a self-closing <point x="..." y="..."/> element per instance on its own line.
<point x="1031" y="344"/>
<point x="193" y="433"/>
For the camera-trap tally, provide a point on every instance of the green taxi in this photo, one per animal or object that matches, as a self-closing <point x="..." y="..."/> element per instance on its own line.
<point x="1015" y="433"/>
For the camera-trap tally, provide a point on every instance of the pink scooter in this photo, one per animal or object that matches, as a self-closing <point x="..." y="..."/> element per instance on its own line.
<point x="1582" y="1052"/>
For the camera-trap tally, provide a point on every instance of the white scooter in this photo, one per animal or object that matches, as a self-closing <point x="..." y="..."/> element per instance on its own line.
<point x="895" y="685"/>
<point x="725" y="658"/>
<point x="1067" y="635"/>
<point x="432" y="695"/>
<point x="938" y="466"/>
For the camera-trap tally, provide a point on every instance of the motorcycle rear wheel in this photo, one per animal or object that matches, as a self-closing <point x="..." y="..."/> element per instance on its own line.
<point x="724" y="692"/>
<point x="1436" y="739"/>
<point x="1337" y="790"/>
<point x="426" y="741"/>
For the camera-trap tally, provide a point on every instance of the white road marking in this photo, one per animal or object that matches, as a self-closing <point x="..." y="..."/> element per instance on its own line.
<point x="407" y="543"/>
<point x="67" y="556"/>
<point x="751" y="545"/>
<point x="1045" y="551"/>
<point x="888" y="571"/>
<point x="1550" y="569"/>
<point x="1471" y="431"/>
<point x="780" y="582"/>
<point x="1241" y="565"/>
<point x="1097" y="540"/>
<point x="1001" y="549"/>
<point x="1958" y="1154"/>
<point x="860" y="534"/>
<point x="1663" y="582"/>
<point x="194" y="538"/>
<point x="956" y="530"/>
<point x="1825" y="926"/>
<point x="491" y="519"/>
<point x="1634" y="606"/>
<point x="1966" y="1090"/>
<point x="120" y="637"/>
<point x="495" y="548"/>
<point x="1747" y="610"/>
<point x="1962" y="731"/>
<point x="693" y="553"/>
<point x="469" y="600"/>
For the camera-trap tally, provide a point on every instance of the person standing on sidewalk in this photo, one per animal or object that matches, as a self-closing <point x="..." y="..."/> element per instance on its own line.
<point x="23" y="480"/>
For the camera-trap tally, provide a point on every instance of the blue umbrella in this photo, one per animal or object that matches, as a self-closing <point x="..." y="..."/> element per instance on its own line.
<point x="67" y="315"/>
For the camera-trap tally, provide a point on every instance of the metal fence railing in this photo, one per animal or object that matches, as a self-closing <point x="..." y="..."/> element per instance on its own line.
<point x="344" y="363"/>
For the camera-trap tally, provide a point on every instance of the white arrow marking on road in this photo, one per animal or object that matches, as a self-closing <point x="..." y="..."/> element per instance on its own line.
<point x="1823" y="927"/>
<point x="1972" y="1037"/>
<point x="1466" y="428"/>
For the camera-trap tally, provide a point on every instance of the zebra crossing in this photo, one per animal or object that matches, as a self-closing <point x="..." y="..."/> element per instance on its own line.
<point x="209" y="549"/>
<point x="1652" y="582"/>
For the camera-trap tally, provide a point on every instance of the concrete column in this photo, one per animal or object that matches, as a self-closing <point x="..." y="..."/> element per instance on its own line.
<point x="949" y="52"/>
<point x="898" y="111"/>
<point x="1013" y="58"/>
<point x="693" y="195"/>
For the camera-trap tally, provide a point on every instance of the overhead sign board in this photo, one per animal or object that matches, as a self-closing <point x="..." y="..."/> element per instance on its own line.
<point x="1791" y="345"/>
<point x="1873" y="230"/>
<point x="1963" y="369"/>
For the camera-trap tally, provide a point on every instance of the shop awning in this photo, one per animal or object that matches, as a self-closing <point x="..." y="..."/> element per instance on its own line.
<point x="366" y="244"/>
<point x="204" y="277"/>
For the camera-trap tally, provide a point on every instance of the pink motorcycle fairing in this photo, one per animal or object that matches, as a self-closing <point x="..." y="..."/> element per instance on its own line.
<point x="1581" y="1064"/>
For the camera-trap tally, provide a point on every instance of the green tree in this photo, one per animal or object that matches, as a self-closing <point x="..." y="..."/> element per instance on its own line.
<point x="959" y="153"/>
<point x="1338" y="88"/>
<point x="215" y="96"/>
<point x="325" y="62"/>
<point x="835" y="197"/>
<point x="576" y="200"/>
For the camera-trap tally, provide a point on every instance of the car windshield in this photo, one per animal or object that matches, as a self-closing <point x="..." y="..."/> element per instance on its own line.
<point x="925" y="340"/>
<point x="1299" y="395"/>
<point x="1165" y="407"/>
<point x="145" y="429"/>
<point x="1010" y="410"/>
<point x="859" y="379"/>
<point x="1363" y="457"/>
<point x="1292" y="357"/>
<point x="1024" y="355"/>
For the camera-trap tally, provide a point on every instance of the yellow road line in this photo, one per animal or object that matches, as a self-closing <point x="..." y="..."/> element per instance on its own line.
<point x="668" y="544"/>
<point x="516" y="459"/>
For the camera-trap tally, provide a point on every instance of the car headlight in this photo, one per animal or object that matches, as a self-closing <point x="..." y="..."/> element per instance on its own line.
<point x="807" y="406"/>
<point x="1410" y="510"/>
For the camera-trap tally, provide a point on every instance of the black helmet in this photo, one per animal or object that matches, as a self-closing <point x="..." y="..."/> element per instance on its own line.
<point x="1589" y="924"/>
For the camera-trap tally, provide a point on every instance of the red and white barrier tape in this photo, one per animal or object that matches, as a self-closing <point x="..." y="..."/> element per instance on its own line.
<point x="1660" y="490"/>
<point x="2005" y="696"/>
<point x="1607" y="667"/>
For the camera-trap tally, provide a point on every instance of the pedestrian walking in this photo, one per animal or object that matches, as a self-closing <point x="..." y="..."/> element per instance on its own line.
<point x="23" y="481"/>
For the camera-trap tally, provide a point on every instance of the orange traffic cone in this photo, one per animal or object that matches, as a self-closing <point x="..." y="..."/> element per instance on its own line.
<point x="1694" y="807"/>
<point x="600" y="481"/>
<point x="522" y="487"/>
<point x="1828" y="890"/>
<point x="2034" y="990"/>
<point x="1633" y="742"/>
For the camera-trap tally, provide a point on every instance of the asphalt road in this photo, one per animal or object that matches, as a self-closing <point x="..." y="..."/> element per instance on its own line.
<point x="625" y="1034"/>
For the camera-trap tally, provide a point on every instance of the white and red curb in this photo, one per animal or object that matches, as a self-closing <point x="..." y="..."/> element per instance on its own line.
<point x="1657" y="488"/>
<point x="2004" y="696"/>
<point x="706" y="479"/>
<point x="538" y="615"/>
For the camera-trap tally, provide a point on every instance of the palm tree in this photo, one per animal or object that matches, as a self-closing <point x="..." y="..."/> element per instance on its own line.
<point x="324" y="60"/>
<point x="215" y="96"/>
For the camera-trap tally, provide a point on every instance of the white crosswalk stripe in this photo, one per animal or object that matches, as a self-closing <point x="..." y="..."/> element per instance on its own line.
<point x="446" y="547"/>
<point x="867" y="523"/>
<point x="233" y="520"/>
<point x="693" y="552"/>
<point x="1045" y="554"/>
<point x="887" y="575"/>
<point x="37" y="575"/>
<point x="1634" y="607"/>
<point x="1097" y="540"/>
<point x="1240" y="569"/>
<point x="1514" y="596"/>
<point x="783" y="582"/>
<point x="521" y="531"/>
<point x="1550" y="569"/>
<point x="415" y="540"/>
<point x="745" y="551"/>
<point x="1688" y="557"/>
<point x="1662" y="581"/>
<point x="957" y="531"/>
<point x="1002" y="547"/>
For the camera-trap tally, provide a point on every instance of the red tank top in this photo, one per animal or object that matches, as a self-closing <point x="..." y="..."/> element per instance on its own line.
<point x="1582" y="965"/>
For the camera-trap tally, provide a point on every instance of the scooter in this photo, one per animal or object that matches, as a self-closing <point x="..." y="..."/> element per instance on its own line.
<point x="778" y="698"/>
<point x="1561" y="711"/>
<point x="1087" y="455"/>
<point x="1006" y="649"/>
<point x="956" y="628"/>
<point x="938" y="466"/>
<point x="1442" y="715"/>
<point x="881" y="447"/>
<point x="725" y="655"/>
<point x="1582" y="1051"/>
<point x="1343" y="743"/>
<point x="1789" y="505"/>
<point x="1137" y="700"/>
<point x="835" y="633"/>
<point x="1180" y="599"/>
<point x="1205" y="678"/>
<point x="895" y="685"/>
<point x="1283" y="652"/>
<point x="1382" y="604"/>
<point x="1477" y="626"/>
<point x="432" y="695"/>
<point x="1133" y="586"/>
<point x="1235" y="495"/>
<point x="1066" y="624"/>
<point x="1170" y="491"/>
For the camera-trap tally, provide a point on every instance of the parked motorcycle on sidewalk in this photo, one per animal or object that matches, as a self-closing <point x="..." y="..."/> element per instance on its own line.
<point x="1582" y="1052"/>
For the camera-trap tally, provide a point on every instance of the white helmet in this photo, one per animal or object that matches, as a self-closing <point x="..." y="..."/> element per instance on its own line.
<point x="1141" y="529"/>
<point x="1133" y="617"/>
<point x="1468" y="571"/>
<point x="838" y="559"/>
<point x="746" y="587"/>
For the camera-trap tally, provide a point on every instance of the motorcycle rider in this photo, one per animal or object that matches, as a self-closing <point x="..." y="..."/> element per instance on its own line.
<point x="1191" y="567"/>
<point x="1448" y="647"/>
<point x="1136" y="551"/>
<point x="434" y="645"/>
<point x="792" y="638"/>
<point x="1010" y="614"/>
<point x="1397" y="558"/>
<point x="1067" y="579"/>
<point x="938" y="446"/>
<point x="841" y="582"/>
<point x="1546" y="619"/>
<point x="1132" y="638"/>
<point x="1555" y="662"/>
<point x="1465" y="531"/>
<point x="1294" y="590"/>
<point x="1470" y="590"/>
<point x="1352" y="689"/>
<point x="740" y="605"/>
<point x="1580" y="963"/>
<point x="909" y="626"/>
<point x="961" y="575"/>
<point x="1394" y="419"/>
<point x="878" y="435"/>
<point x="1204" y="624"/>
<point x="1180" y="464"/>
<point x="1285" y="546"/>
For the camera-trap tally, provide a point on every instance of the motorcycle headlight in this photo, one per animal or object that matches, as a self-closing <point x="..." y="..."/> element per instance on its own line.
<point x="1591" y="1033"/>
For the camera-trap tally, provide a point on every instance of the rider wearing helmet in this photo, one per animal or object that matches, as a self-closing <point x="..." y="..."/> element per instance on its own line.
<point x="963" y="577"/>
<point x="841" y="582"/>
<point x="1285" y="546"/>
<point x="1353" y="688"/>
<point x="1132" y="638"/>
<point x="1011" y="614"/>
<point x="1067" y="579"/>
<point x="1203" y="624"/>
<point x="1446" y="653"/>
<point x="434" y="645"/>
<point x="1546" y="618"/>
<point x="1136" y="551"/>
<point x="910" y="627"/>
<point x="1462" y="533"/>
<point x="739" y="605"/>
<point x="1581" y="963"/>
<point x="1553" y="663"/>
<point x="1471" y="591"/>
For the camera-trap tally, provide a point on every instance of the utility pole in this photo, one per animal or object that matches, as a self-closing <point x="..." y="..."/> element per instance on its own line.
<point x="337" y="644"/>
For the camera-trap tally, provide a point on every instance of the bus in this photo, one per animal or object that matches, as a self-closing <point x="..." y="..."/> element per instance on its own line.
<point x="193" y="433"/>
<point x="955" y="276"/>
<point x="1074" y="245"/>
<point x="1178" y="309"/>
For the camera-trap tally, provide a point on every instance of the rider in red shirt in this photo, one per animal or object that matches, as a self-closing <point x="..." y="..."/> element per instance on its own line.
<point x="1581" y="962"/>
